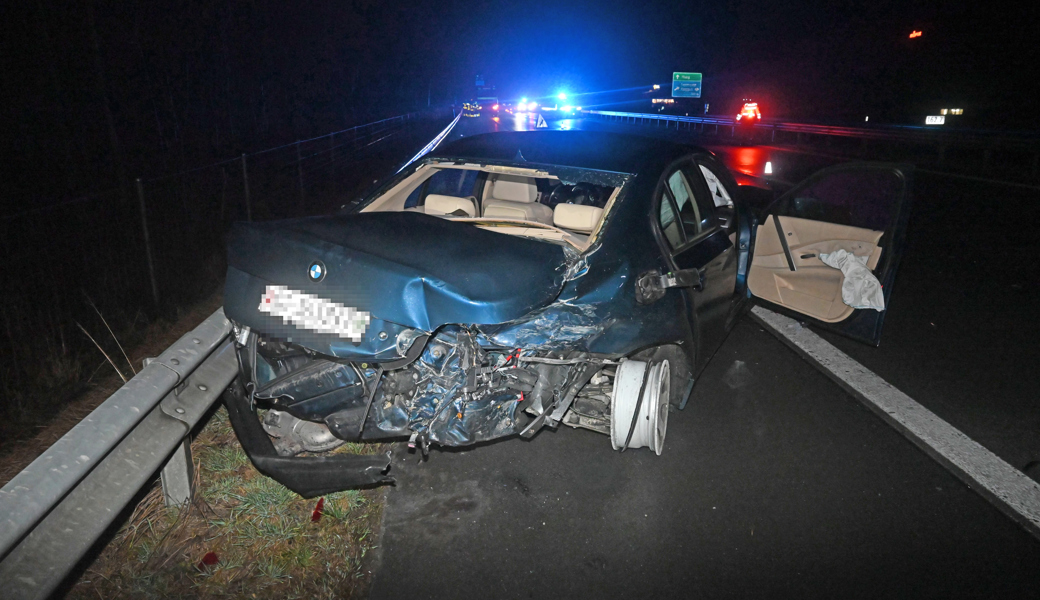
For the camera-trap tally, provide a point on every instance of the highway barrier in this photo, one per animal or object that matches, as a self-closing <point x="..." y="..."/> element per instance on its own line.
<point x="942" y="140"/>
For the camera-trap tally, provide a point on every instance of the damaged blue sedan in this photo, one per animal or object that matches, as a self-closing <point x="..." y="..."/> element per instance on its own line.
<point x="513" y="281"/>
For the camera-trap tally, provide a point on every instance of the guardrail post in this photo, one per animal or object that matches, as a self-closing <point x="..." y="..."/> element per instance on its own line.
<point x="147" y="242"/>
<point x="774" y="133"/>
<point x="245" y="182"/>
<point x="177" y="475"/>
<point x="299" y="170"/>
<point x="798" y="139"/>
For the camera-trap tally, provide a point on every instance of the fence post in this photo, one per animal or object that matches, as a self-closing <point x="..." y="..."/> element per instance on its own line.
<point x="177" y="474"/>
<point x="299" y="170"/>
<point x="147" y="242"/>
<point x="245" y="181"/>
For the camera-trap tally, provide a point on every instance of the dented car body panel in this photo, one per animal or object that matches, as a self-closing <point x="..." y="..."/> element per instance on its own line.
<point x="399" y="267"/>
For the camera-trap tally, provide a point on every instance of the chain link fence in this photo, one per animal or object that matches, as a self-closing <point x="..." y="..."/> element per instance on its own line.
<point x="107" y="263"/>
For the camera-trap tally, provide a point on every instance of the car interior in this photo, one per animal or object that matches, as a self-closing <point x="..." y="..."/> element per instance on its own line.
<point x="522" y="202"/>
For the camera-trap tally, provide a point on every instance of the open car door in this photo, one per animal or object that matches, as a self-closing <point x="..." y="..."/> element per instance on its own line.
<point x="861" y="208"/>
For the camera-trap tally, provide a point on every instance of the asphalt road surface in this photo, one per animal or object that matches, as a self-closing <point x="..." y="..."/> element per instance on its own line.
<point x="773" y="482"/>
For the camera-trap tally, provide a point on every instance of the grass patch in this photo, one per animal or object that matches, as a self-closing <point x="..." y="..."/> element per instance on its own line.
<point x="244" y="535"/>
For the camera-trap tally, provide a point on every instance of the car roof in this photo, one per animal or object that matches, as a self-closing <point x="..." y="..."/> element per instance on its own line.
<point x="598" y="150"/>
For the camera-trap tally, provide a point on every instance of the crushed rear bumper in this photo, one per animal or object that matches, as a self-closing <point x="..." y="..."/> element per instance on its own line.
<point x="308" y="476"/>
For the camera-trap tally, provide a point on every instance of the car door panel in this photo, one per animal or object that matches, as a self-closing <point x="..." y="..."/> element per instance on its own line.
<point x="812" y="288"/>
<point x="715" y="262"/>
<point x="860" y="208"/>
<point x="711" y="255"/>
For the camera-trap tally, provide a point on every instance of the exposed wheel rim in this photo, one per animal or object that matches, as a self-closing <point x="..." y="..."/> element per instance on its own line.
<point x="651" y="424"/>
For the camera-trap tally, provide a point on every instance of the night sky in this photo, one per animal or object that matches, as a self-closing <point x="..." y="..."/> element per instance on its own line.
<point x="94" y="92"/>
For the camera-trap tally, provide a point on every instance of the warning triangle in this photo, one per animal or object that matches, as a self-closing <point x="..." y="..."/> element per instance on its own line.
<point x="541" y="122"/>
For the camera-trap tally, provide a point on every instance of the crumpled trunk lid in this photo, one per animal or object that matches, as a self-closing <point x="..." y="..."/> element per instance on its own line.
<point x="402" y="271"/>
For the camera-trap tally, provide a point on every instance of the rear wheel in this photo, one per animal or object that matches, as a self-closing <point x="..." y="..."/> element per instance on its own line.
<point x="639" y="405"/>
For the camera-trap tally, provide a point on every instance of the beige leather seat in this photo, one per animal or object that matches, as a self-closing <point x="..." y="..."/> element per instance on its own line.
<point x="437" y="204"/>
<point x="577" y="217"/>
<point x="515" y="197"/>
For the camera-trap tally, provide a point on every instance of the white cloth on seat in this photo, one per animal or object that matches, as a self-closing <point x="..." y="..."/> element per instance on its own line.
<point x="516" y="197"/>
<point x="859" y="288"/>
<point x="437" y="204"/>
<point x="577" y="217"/>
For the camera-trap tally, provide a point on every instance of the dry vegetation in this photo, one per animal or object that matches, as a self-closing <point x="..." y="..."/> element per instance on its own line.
<point x="43" y="426"/>
<point x="243" y="535"/>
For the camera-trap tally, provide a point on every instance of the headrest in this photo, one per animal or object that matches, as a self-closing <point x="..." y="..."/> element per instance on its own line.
<point x="514" y="188"/>
<point x="499" y="211"/>
<point x="437" y="204"/>
<point x="577" y="217"/>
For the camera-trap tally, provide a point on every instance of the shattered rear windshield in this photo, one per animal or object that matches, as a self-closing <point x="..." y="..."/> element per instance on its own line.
<point x="512" y="200"/>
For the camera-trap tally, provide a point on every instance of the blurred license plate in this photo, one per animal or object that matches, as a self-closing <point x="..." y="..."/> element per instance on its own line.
<point x="312" y="313"/>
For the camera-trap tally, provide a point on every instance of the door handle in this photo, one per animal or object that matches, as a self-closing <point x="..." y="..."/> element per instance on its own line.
<point x="650" y="286"/>
<point x="688" y="278"/>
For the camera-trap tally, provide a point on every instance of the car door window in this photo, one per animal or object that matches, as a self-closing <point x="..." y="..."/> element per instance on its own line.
<point x="721" y="197"/>
<point x="689" y="212"/>
<point x="857" y="197"/>
<point x="669" y="224"/>
<point x="719" y="194"/>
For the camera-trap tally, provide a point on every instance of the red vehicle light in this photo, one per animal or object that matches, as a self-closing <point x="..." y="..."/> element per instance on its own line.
<point x="749" y="110"/>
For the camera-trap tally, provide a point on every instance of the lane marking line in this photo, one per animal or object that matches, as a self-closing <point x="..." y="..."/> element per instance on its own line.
<point x="1004" y="486"/>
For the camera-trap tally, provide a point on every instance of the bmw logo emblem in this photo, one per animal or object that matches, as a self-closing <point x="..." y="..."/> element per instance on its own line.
<point x="317" y="271"/>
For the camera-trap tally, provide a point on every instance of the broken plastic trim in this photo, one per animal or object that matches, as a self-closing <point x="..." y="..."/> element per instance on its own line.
<point x="308" y="476"/>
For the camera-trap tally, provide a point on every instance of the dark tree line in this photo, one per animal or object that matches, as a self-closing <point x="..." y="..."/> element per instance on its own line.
<point x="95" y="93"/>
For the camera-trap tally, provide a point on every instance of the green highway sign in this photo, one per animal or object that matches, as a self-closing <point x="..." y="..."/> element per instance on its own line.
<point x="686" y="85"/>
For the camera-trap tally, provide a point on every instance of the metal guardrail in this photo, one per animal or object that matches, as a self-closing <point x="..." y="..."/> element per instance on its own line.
<point x="433" y="143"/>
<point x="988" y="142"/>
<point x="59" y="506"/>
